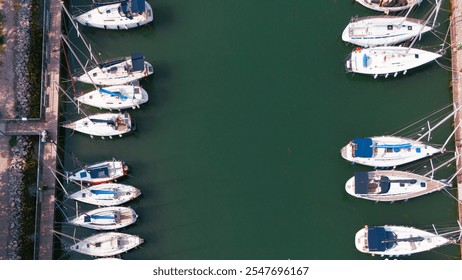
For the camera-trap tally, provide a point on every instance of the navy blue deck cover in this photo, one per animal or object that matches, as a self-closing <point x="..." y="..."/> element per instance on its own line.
<point x="138" y="6"/>
<point x="379" y="240"/>
<point x="138" y="61"/>
<point x="361" y="182"/>
<point x="363" y="147"/>
<point x="99" y="172"/>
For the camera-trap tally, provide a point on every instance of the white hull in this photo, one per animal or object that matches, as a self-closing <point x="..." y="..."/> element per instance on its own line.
<point x="107" y="218"/>
<point x="391" y="185"/>
<point x="103" y="125"/>
<point x="385" y="240"/>
<point x="106" y="194"/>
<point x="110" y="17"/>
<point x="386" y="151"/>
<point x="115" y="97"/>
<point x="101" y="172"/>
<point x="383" y="30"/>
<point x="118" y="72"/>
<point x="107" y="244"/>
<point x="390" y="5"/>
<point x="387" y="60"/>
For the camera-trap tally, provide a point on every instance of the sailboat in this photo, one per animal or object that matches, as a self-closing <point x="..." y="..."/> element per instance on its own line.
<point x="387" y="6"/>
<point x="387" y="60"/>
<point x="385" y="30"/>
<point x="100" y="172"/>
<point x="106" y="194"/>
<point x="392" y="151"/>
<point x="395" y="185"/>
<point x="125" y="14"/>
<point x="107" y="244"/>
<point x="117" y="71"/>
<point x="391" y="240"/>
<point x="103" y="125"/>
<point x="115" y="97"/>
<point x="106" y="218"/>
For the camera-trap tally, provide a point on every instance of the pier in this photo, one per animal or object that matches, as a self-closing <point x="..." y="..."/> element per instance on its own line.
<point x="456" y="57"/>
<point x="46" y="128"/>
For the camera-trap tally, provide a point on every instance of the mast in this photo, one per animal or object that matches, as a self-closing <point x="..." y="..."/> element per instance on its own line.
<point x="438" y="124"/>
<point x="78" y="60"/>
<point x="425" y="24"/>
<point x="76" y="26"/>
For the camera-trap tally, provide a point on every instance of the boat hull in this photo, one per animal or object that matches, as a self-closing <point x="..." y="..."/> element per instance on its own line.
<point x="387" y="60"/>
<point x="386" y="151"/>
<point x="107" y="218"/>
<point x="107" y="244"/>
<point x="115" y="97"/>
<point x="367" y="241"/>
<point x="375" y="5"/>
<point x="103" y="125"/>
<point x="391" y="185"/>
<point x="106" y="194"/>
<point x="109" y="17"/>
<point x="101" y="172"/>
<point x="383" y="30"/>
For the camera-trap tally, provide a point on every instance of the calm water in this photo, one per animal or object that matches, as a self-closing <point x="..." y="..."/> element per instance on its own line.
<point x="237" y="150"/>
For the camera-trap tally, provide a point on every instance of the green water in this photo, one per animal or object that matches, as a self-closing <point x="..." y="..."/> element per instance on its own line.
<point x="237" y="150"/>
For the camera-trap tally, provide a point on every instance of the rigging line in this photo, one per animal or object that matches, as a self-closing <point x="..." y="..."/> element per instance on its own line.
<point x="452" y="196"/>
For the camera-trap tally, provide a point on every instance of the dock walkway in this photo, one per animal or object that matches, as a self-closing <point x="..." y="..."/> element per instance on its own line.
<point x="456" y="56"/>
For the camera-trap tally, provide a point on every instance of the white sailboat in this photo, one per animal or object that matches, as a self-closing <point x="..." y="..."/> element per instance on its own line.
<point x="392" y="151"/>
<point x="118" y="71"/>
<point x="387" y="60"/>
<point x="115" y="97"/>
<point x="387" y="6"/>
<point x="385" y="30"/>
<point x="125" y="14"/>
<point x="395" y="185"/>
<point x="100" y="172"/>
<point x="103" y="125"/>
<point x="105" y="244"/>
<point x="106" y="218"/>
<point x="390" y="240"/>
<point x="106" y="194"/>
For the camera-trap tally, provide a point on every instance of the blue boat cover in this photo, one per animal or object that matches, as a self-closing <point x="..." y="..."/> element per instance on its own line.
<point x="112" y="93"/>
<point x="361" y="182"/>
<point x="138" y="61"/>
<point x="138" y="6"/>
<point x="99" y="172"/>
<point x="363" y="147"/>
<point x="365" y="60"/>
<point x="102" y="192"/>
<point x="379" y="240"/>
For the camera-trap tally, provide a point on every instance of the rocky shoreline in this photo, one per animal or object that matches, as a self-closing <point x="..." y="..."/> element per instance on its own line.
<point x="23" y="144"/>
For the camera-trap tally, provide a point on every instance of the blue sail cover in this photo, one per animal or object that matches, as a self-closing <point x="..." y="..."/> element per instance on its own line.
<point x="102" y="192"/>
<point x="138" y="61"/>
<point x="379" y="240"/>
<point x="363" y="147"/>
<point x="102" y="217"/>
<point x="395" y="147"/>
<point x="111" y="93"/>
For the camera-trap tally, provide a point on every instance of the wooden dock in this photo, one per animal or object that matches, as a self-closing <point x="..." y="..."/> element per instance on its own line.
<point x="456" y="56"/>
